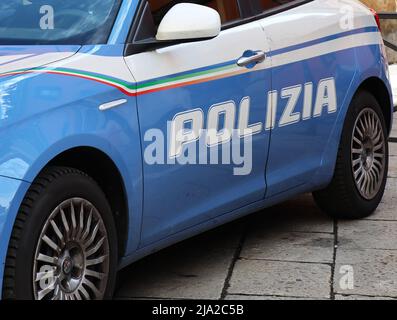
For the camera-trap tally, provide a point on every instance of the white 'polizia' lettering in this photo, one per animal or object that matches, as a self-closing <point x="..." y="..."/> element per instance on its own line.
<point x="229" y="115"/>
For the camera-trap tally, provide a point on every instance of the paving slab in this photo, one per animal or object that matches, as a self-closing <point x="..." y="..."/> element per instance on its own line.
<point x="367" y="234"/>
<point x="289" y="246"/>
<point x="392" y="167"/>
<point x="297" y="215"/>
<point x="374" y="272"/>
<point x="194" y="269"/>
<point x="358" y="297"/>
<point x="394" y="128"/>
<point x="392" y="150"/>
<point x="393" y="133"/>
<point x="387" y="209"/>
<point x="278" y="278"/>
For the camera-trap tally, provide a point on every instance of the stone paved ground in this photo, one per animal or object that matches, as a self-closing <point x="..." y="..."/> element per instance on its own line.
<point x="291" y="251"/>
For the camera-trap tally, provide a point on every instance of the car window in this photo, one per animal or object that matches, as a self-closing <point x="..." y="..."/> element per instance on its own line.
<point x="269" y="4"/>
<point x="36" y="22"/>
<point x="228" y="9"/>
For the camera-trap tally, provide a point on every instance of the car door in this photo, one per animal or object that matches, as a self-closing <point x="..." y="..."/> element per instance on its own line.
<point x="313" y="65"/>
<point x="200" y="80"/>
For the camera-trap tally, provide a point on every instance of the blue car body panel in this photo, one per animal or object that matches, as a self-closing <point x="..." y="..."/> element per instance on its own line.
<point x="45" y="112"/>
<point x="288" y="142"/>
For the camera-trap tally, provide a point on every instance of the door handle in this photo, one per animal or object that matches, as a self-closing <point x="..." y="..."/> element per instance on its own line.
<point x="257" y="57"/>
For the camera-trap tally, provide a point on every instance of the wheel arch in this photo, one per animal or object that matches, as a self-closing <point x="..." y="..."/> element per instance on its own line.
<point x="100" y="167"/>
<point x="378" y="88"/>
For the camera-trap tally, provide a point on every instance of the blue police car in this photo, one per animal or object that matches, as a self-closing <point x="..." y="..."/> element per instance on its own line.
<point x="129" y="125"/>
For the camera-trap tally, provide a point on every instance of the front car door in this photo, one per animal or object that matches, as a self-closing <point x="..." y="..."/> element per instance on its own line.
<point x="200" y="85"/>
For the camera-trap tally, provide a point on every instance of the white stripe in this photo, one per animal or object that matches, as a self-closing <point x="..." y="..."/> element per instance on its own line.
<point x="33" y="61"/>
<point x="7" y="58"/>
<point x="92" y="63"/>
<point x="348" y="42"/>
<point x="333" y="46"/>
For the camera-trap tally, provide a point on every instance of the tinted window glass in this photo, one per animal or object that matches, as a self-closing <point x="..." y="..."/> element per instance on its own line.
<point x="269" y="4"/>
<point x="228" y="9"/>
<point x="33" y="22"/>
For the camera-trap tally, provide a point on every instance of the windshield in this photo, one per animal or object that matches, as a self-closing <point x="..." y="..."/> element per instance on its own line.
<point x="71" y="22"/>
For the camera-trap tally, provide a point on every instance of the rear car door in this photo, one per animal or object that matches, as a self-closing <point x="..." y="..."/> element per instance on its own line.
<point x="313" y="64"/>
<point x="199" y="79"/>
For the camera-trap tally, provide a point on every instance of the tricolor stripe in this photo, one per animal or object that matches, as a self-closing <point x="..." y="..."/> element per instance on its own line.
<point x="314" y="48"/>
<point x="134" y="89"/>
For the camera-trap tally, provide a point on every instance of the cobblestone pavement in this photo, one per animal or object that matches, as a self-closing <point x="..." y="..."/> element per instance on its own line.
<point x="290" y="251"/>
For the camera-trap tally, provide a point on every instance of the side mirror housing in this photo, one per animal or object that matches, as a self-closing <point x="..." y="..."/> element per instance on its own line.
<point x="187" y="21"/>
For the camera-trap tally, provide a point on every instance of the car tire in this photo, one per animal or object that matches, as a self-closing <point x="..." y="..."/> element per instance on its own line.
<point x="63" y="244"/>
<point x="359" y="180"/>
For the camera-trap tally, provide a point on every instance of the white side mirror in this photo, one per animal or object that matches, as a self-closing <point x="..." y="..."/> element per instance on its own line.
<point x="189" y="21"/>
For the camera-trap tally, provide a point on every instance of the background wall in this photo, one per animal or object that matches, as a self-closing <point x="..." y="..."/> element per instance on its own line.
<point x="389" y="28"/>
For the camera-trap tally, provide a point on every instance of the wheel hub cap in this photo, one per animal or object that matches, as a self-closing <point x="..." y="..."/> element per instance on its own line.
<point x="368" y="151"/>
<point x="72" y="254"/>
<point x="67" y="266"/>
<point x="367" y="155"/>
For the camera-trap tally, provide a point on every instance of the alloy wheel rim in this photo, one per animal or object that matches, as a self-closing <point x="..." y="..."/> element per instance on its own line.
<point x="72" y="254"/>
<point x="368" y="151"/>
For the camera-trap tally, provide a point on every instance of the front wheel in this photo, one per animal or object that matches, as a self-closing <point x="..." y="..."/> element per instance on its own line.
<point x="63" y="245"/>
<point x="361" y="168"/>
